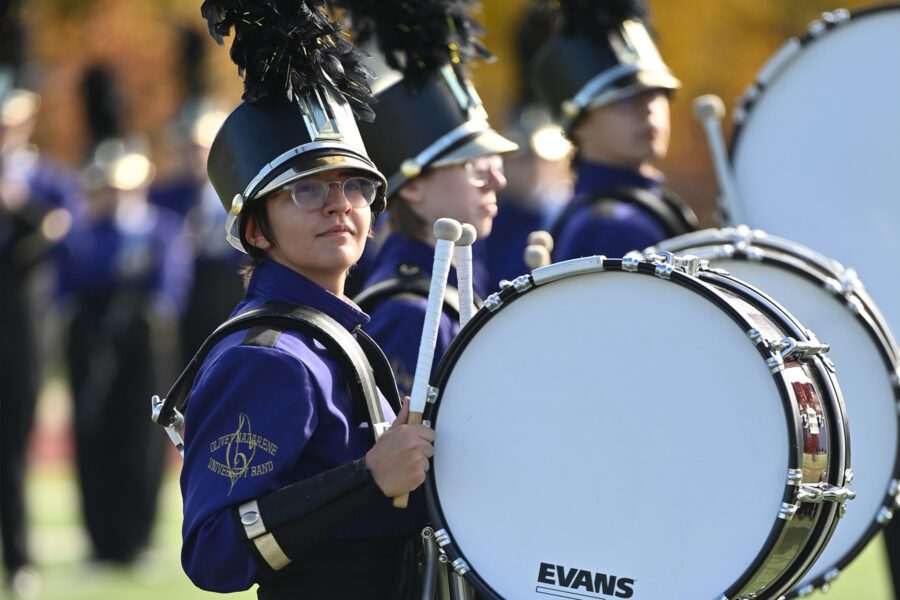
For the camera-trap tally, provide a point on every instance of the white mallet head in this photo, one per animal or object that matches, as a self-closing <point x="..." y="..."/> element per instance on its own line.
<point x="708" y="105"/>
<point x="447" y="229"/>
<point x="540" y="238"/>
<point x="536" y="256"/>
<point x="469" y="235"/>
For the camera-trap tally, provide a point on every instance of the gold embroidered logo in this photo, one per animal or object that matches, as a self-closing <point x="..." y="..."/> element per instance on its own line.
<point x="240" y="449"/>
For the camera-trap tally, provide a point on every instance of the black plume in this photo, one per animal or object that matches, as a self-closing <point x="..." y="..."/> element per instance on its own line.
<point x="103" y="105"/>
<point x="599" y="15"/>
<point x="12" y="35"/>
<point x="192" y="61"/>
<point x="290" y="47"/>
<point x="418" y="37"/>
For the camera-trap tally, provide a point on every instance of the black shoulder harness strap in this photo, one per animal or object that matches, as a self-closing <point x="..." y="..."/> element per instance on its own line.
<point x="670" y="211"/>
<point x="360" y="358"/>
<point x="409" y="280"/>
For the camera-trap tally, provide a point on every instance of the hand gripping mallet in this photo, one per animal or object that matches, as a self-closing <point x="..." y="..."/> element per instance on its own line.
<point x="447" y="231"/>
<point x="709" y="110"/>
<point x="463" y="254"/>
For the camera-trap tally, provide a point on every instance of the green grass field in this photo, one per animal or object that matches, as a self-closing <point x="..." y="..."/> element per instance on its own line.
<point x="60" y="548"/>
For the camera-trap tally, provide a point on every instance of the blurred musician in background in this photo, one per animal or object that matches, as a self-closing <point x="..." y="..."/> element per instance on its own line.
<point x="183" y="187"/>
<point x="442" y="159"/>
<point x="539" y="181"/>
<point x="611" y="93"/>
<point x="122" y="279"/>
<point x="37" y="199"/>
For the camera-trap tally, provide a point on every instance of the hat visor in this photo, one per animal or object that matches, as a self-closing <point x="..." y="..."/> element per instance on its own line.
<point x="319" y="164"/>
<point x="641" y="81"/>
<point x="486" y="143"/>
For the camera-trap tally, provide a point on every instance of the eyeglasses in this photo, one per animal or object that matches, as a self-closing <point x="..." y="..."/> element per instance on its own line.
<point x="480" y="170"/>
<point x="309" y="194"/>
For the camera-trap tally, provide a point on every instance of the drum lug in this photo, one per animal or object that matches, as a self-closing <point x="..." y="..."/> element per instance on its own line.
<point x="666" y="262"/>
<point x="787" y="511"/>
<point x="885" y="515"/>
<point x="816" y="493"/>
<point x="460" y="566"/>
<point x="523" y="283"/>
<point x="894" y="492"/>
<point x="630" y="264"/>
<point x="794" y="476"/>
<point x="775" y="362"/>
<point x="443" y="539"/>
<point x="431" y="394"/>
<point x="493" y="302"/>
<point x="827" y="21"/>
<point x="803" y="350"/>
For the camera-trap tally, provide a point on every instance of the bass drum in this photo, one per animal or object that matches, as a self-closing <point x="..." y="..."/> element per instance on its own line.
<point x="815" y="150"/>
<point x="620" y="428"/>
<point x="832" y="302"/>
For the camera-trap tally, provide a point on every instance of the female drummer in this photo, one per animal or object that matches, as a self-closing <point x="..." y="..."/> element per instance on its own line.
<point x="448" y="163"/>
<point x="282" y="484"/>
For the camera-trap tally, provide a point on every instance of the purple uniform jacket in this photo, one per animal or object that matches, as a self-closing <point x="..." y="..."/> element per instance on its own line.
<point x="142" y="251"/>
<point x="259" y="419"/>
<point x="397" y="322"/>
<point x="616" y="229"/>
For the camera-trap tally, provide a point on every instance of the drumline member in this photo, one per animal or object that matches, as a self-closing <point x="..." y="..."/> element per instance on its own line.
<point x="282" y="484"/>
<point x="611" y="93"/>
<point x="37" y="199"/>
<point x="442" y="159"/>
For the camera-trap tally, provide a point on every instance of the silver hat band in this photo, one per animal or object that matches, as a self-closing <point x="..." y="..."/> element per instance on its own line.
<point x="414" y="166"/>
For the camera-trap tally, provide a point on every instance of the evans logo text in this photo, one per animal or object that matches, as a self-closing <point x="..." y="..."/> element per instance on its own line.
<point x="582" y="583"/>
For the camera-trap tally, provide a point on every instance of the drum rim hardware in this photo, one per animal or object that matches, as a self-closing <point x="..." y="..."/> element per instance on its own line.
<point x="733" y="243"/>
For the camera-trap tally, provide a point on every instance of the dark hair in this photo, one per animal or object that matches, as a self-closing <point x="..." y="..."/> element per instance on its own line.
<point x="255" y="255"/>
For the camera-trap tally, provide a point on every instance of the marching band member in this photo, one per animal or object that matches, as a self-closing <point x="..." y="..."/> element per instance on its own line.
<point x="120" y="287"/>
<point x="611" y="93"/>
<point x="37" y="199"/>
<point x="441" y="157"/>
<point x="282" y="484"/>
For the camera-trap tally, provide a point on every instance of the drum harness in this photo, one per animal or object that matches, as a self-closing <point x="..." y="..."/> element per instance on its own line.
<point x="360" y="357"/>
<point x="669" y="210"/>
<point x="409" y="281"/>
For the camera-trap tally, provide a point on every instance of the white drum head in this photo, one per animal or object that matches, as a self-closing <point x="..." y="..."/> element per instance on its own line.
<point x="815" y="160"/>
<point x="607" y="433"/>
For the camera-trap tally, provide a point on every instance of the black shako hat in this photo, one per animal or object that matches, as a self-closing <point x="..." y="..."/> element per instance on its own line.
<point x="438" y="124"/>
<point x="303" y="85"/>
<point x="601" y="53"/>
<point x="429" y="114"/>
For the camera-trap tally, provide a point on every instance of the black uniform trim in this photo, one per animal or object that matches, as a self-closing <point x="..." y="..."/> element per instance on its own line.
<point x="303" y="514"/>
<point x="409" y="280"/>
<point x="270" y="320"/>
<point x="672" y="213"/>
